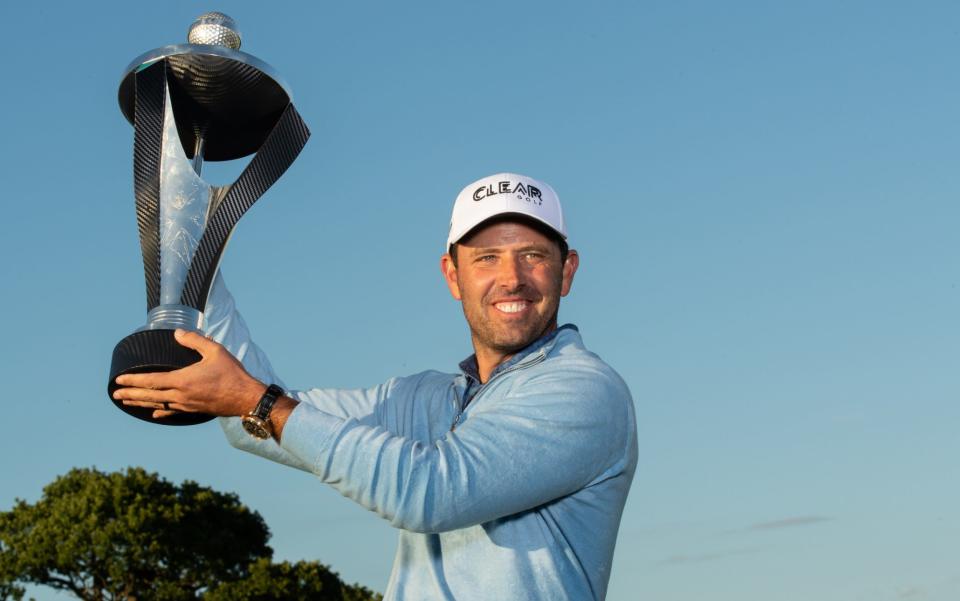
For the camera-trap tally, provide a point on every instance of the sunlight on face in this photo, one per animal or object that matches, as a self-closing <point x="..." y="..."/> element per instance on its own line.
<point x="510" y="278"/>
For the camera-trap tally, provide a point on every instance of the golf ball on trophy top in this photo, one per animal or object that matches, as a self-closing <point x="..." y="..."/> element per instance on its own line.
<point x="214" y="29"/>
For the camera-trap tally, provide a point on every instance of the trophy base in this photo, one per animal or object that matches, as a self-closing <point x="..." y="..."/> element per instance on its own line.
<point x="152" y="351"/>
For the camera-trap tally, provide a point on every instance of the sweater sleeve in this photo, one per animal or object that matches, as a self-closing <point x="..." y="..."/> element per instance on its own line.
<point x="550" y="435"/>
<point x="224" y="324"/>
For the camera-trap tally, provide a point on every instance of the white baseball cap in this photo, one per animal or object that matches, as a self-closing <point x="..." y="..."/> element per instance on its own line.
<point x="505" y="194"/>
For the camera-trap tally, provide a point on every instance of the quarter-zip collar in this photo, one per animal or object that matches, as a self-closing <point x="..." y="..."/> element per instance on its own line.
<point x="533" y="353"/>
<point x="470" y="369"/>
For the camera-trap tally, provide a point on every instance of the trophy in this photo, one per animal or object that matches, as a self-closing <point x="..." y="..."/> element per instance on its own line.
<point x="204" y="100"/>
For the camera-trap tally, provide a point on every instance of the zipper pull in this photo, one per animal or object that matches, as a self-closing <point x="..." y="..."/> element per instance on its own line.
<point x="459" y="405"/>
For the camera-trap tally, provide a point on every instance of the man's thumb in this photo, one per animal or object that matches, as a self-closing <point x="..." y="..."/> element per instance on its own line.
<point x="192" y="340"/>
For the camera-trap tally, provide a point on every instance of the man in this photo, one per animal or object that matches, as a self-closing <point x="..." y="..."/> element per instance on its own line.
<point x="507" y="481"/>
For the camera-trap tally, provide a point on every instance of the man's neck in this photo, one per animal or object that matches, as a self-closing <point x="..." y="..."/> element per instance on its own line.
<point x="489" y="359"/>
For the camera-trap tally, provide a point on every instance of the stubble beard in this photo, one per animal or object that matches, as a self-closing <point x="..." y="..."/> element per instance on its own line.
<point x="505" y="337"/>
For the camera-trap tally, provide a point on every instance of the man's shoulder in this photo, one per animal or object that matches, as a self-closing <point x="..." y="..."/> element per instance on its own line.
<point x="568" y="352"/>
<point x="424" y="380"/>
<point x="578" y="389"/>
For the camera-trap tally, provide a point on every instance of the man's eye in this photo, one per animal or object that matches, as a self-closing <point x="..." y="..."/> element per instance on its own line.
<point x="486" y="258"/>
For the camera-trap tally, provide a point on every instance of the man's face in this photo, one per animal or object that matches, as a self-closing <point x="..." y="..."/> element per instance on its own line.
<point x="509" y="278"/>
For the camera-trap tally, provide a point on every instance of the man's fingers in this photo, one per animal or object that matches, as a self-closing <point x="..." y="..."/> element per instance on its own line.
<point x="144" y="394"/>
<point x="164" y="407"/>
<point x="154" y="381"/>
<point x="147" y="404"/>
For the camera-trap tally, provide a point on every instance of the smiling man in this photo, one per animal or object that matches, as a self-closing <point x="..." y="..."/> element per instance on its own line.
<point x="507" y="480"/>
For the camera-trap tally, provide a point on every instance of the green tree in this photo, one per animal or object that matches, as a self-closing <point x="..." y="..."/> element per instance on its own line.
<point x="10" y="591"/>
<point x="135" y="536"/>
<point x="301" y="581"/>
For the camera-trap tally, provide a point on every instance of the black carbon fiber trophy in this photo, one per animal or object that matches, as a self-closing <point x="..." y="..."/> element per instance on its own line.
<point x="204" y="100"/>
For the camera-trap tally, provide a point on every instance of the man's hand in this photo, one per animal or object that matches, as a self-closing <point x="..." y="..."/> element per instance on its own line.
<point x="217" y="384"/>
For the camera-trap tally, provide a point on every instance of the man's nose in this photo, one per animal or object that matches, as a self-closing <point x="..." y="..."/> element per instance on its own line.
<point x="510" y="275"/>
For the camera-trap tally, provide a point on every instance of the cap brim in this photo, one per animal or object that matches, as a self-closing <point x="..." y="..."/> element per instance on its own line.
<point x="538" y="224"/>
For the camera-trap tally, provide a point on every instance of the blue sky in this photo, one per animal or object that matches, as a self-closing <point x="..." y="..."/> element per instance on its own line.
<point x="764" y="196"/>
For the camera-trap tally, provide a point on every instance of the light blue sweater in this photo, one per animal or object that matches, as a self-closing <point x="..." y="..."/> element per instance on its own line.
<point x="516" y="496"/>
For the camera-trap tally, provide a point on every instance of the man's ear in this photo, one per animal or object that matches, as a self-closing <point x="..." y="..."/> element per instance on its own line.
<point x="569" y="269"/>
<point x="449" y="270"/>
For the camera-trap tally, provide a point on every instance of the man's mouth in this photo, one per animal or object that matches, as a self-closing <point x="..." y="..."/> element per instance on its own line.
<point x="511" y="306"/>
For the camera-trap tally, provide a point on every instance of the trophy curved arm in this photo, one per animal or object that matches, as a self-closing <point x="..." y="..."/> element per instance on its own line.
<point x="280" y="150"/>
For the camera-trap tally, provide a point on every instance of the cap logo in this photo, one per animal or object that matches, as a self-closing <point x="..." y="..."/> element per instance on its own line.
<point x="528" y="193"/>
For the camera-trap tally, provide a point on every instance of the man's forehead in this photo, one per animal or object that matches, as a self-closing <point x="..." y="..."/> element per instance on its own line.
<point x="506" y="232"/>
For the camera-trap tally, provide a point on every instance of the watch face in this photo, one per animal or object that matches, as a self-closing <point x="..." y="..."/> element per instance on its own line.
<point x="256" y="427"/>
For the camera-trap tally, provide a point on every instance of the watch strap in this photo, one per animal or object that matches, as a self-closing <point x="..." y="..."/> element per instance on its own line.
<point x="265" y="405"/>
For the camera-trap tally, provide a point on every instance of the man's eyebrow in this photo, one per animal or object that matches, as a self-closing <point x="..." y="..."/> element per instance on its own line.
<point x="479" y="250"/>
<point x="488" y="250"/>
<point x="535" y="246"/>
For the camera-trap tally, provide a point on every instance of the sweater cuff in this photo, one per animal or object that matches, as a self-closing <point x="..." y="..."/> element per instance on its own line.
<point x="309" y="434"/>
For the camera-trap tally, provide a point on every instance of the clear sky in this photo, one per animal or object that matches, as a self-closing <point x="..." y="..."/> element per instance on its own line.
<point x="764" y="196"/>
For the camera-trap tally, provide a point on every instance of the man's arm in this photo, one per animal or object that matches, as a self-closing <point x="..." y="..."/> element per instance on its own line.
<point x="552" y="435"/>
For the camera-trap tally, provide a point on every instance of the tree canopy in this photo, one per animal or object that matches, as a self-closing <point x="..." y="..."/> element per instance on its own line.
<point x="133" y="535"/>
<point x="301" y="581"/>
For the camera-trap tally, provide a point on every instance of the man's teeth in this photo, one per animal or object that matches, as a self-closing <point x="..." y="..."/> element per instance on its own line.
<point x="512" y="307"/>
